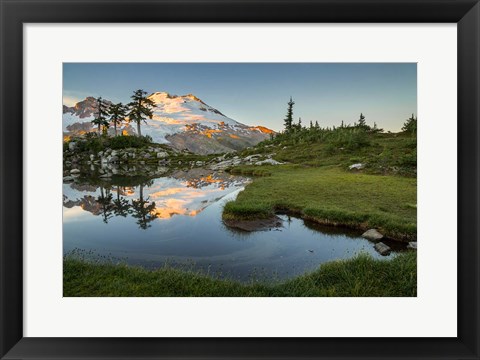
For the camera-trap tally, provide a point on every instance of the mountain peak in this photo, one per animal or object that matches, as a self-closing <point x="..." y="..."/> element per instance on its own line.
<point x="184" y="122"/>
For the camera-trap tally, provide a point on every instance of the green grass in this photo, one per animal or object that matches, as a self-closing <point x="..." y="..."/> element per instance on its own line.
<point x="386" y="154"/>
<point x="360" y="276"/>
<point x="333" y="196"/>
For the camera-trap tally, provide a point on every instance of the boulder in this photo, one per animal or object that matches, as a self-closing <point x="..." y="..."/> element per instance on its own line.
<point x="199" y="163"/>
<point x="372" y="235"/>
<point x="412" y="245"/>
<point x="113" y="158"/>
<point x="105" y="176"/>
<point x="72" y="145"/>
<point x="68" y="178"/>
<point x="382" y="249"/>
<point x="92" y="157"/>
<point x="268" y="162"/>
<point x="162" y="154"/>
<point x="74" y="171"/>
<point x="252" y="157"/>
<point x="358" y="166"/>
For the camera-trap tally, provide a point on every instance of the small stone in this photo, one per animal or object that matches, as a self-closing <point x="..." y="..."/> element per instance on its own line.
<point x="412" y="245"/>
<point x="356" y="166"/>
<point x="92" y="157"/>
<point x="372" y="235"/>
<point x="105" y="176"/>
<point x="68" y="178"/>
<point x="382" y="248"/>
<point x="74" y="171"/>
<point x="161" y="155"/>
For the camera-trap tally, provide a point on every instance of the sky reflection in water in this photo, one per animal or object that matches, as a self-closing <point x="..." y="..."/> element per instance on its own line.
<point x="177" y="220"/>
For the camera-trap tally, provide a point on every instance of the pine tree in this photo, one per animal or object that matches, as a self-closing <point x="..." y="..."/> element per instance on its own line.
<point x="410" y="126"/>
<point x="361" y="122"/>
<point x="311" y="124"/>
<point x="316" y="125"/>
<point x="289" y="118"/>
<point x="299" y="126"/>
<point x="100" y="115"/>
<point x="141" y="108"/>
<point x="117" y="114"/>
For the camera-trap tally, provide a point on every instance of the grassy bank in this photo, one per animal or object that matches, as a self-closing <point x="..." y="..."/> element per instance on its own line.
<point x="360" y="276"/>
<point x="331" y="195"/>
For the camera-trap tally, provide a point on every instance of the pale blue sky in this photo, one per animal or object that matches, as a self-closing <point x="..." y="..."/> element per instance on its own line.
<point x="257" y="93"/>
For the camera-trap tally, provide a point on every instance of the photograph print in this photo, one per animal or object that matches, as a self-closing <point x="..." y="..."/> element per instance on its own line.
<point x="239" y="179"/>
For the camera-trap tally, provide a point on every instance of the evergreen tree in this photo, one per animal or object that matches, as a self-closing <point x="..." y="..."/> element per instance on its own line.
<point x="289" y="118"/>
<point x="140" y="108"/>
<point x="362" y="123"/>
<point x="311" y="124"/>
<point x="410" y="126"/>
<point x="100" y="115"/>
<point x="299" y="126"/>
<point x="316" y="125"/>
<point x="117" y="114"/>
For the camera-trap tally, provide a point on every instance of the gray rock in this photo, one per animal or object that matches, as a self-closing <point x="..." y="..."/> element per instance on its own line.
<point x="382" y="249"/>
<point x="199" y="163"/>
<point x="146" y="156"/>
<point x="412" y="245"/>
<point x="74" y="171"/>
<point x="72" y="145"/>
<point x="92" y="157"/>
<point x="252" y="157"/>
<point x="68" y="178"/>
<point x="162" y="154"/>
<point x="268" y="162"/>
<point x="113" y="158"/>
<point x="114" y="153"/>
<point x="105" y="176"/>
<point x="372" y="235"/>
<point x="356" y="166"/>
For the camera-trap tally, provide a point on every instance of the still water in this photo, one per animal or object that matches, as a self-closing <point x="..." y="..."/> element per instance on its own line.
<point x="176" y="220"/>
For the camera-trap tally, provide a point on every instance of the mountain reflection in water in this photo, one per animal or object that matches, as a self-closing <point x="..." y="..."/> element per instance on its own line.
<point x="177" y="220"/>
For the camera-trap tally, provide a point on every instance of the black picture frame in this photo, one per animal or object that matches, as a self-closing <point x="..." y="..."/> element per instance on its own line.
<point x="14" y="13"/>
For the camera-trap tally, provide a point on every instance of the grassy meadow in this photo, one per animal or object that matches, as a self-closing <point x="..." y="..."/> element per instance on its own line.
<point x="360" y="276"/>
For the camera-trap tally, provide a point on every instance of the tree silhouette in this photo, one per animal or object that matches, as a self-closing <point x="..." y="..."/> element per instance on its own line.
<point x="105" y="201"/>
<point x="289" y="117"/>
<point x="117" y="114"/>
<point x="100" y="115"/>
<point x="140" y="108"/>
<point x="410" y="126"/>
<point x="143" y="211"/>
<point x="121" y="205"/>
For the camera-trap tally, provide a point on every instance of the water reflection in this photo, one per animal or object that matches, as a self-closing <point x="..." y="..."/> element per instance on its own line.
<point x="177" y="220"/>
<point x="184" y="193"/>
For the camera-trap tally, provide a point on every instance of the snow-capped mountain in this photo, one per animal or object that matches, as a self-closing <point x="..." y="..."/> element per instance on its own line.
<point x="184" y="122"/>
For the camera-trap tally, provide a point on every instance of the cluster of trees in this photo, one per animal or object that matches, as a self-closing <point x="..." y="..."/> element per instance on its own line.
<point x="141" y="209"/>
<point x="410" y="126"/>
<point x="138" y="110"/>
